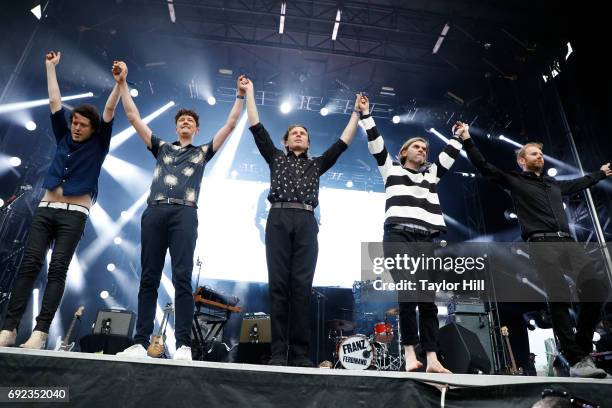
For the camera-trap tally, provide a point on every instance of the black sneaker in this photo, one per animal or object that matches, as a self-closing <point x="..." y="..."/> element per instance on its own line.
<point x="278" y="361"/>
<point x="301" y="361"/>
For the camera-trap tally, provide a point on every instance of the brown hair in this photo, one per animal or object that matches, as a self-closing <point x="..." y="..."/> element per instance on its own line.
<point x="187" y="112"/>
<point x="290" y="128"/>
<point x="90" y="112"/>
<point x="407" y="144"/>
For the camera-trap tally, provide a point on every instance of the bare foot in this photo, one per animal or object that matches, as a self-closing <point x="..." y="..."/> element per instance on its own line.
<point x="413" y="365"/>
<point x="436" y="367"/>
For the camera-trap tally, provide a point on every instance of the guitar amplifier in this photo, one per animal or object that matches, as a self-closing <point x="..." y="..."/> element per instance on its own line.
<point x="255" y="338"/>
<point x="255" y="328"/>
<point x="115" y="321"/>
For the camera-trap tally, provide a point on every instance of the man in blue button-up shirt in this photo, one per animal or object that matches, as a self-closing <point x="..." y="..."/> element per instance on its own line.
<point x="71" y="186"/>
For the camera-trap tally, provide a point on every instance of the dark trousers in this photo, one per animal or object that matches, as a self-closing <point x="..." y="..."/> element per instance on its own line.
<point x="291" y="254"/>
<point x="426" y="333"/>
<point x="63" y="229"/>
<point x="164" y="227"/>
<point x="554" y="257"/>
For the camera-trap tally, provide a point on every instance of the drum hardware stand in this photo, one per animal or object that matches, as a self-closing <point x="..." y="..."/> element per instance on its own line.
<point x="321" y="298"/>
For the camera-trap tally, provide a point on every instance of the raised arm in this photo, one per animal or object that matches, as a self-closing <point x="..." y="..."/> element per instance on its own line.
<point x="484" y="167"/>
<point x="349" y="131"/>
<point x="233" y="117"/>
<point x="252" y="113"/>
<point x="55" y="98"/>
<point x="570" y="187"/>
<point x="376" y="144"/>
<point x="260" y="134"/>
<point x="120" y="72"/>
<point x="448" y="155"/>
<point x="111" y="104"/>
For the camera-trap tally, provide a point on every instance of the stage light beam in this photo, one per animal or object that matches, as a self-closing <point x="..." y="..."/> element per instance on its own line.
<point x="30" y="125"/>
<point x="15" y="106"/>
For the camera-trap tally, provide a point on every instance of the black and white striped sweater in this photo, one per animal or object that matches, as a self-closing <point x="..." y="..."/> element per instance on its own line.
<point x="411" y="196"/>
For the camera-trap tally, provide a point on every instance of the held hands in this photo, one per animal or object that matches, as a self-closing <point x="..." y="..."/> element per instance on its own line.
<point x="53" y="58"/>
<point x="460" y="130"/>
<point x="120" y="71"/>
<point x="362" y="104"/>
<point x="247" y="84"/>
<point x="607" y="169"/>
<point x="241" y="85"/>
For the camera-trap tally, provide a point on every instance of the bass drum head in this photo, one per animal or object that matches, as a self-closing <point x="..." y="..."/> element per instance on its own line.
<point x="356" y="352"/>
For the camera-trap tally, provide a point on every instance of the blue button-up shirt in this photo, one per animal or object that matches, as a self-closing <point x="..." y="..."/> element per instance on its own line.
<point x="76" y="166"/>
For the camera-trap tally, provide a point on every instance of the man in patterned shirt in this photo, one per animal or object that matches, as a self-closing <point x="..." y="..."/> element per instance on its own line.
<point x="291" y="230"/>
<point x="170" y="220"/>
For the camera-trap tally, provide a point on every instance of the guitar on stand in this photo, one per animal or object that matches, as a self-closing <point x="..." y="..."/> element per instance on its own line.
<point x="512" y="370"/>
<point x="157" y="348"/>
<point x="67" y="344"/>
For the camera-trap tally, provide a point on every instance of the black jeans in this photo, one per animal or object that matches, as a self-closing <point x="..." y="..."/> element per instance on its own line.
<point x="428" y="326"/>
<point x="291" y="253"/>
<point x="63" y="229"/>
<point x="553" y="258"/>
<point x="164" y="227"/>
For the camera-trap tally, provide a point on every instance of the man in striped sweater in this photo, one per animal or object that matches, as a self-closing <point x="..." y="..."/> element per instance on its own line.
<point x="412" y="215"/>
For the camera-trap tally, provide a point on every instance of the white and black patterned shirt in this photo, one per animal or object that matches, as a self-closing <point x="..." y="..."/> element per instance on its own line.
<point x="179" y="170"/>
<point x="411" y="196"/>
<point x="294" y="179"/>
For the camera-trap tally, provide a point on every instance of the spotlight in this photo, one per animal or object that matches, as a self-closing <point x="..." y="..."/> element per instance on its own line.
<point x="211" y="100"/>
<point x="15" y="161"/>
<point x="1" y="203"/>
<point x="324" y="111"/>
<point x="134" y="92"/>
<point x="30" y="125"/>
<point x="124" y="214"/>
<point x="37" y="11"/>
<point x="564" y="206"/>
<point x="532" y="322"/>
<point x="285" y="107"/>
<point x="104" y="294"/>
<point x="596" y="336"/>
<point x="510" y="215"/>
<point x="349" y="184"/>
<point x="395" y="119"/>
<point x="110" y="267"/>
<point x="552" y="172"/>
<point x="117" y="240"/>
<point x="234" y="174"/>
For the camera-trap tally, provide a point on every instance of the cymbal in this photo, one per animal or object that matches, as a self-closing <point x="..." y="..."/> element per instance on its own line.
<point x="339" y="324"/>
<point x="394" y="311"/>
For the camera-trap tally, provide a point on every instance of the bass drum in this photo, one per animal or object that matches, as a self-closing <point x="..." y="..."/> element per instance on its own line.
<point x="356" y="353"/>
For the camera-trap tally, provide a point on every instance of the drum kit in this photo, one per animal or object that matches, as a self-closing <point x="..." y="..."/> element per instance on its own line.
<point x="367" y="352"/>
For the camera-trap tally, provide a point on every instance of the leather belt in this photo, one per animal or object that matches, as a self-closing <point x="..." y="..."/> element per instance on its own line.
<point x="296" y="206"/>
<point x="64" y="206"/>
<point x="414" y="229"/>
<point x="558" y="234"/>
<point x="176" y="201"/>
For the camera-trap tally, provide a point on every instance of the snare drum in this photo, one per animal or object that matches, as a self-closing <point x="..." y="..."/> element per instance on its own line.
<point x="383" y="332"/>
<point x="356" y="352"/>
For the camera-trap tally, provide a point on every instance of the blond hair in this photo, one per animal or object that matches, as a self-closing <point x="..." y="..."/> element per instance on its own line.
<point x="521" y="152"/>
<point x="407" y="144"/>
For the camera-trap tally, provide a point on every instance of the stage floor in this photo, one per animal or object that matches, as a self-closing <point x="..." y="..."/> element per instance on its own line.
<point x="108" y="381"/>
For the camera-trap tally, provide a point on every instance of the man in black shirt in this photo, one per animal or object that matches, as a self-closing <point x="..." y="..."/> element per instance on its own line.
<point x="71" y="187"/>
<point x="291" y="229"/>
<point x="538" y="202"/>
<point x="170" y="220"/>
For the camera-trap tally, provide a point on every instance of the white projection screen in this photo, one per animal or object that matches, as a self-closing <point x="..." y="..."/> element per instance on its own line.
<point x="232" y="221"/>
